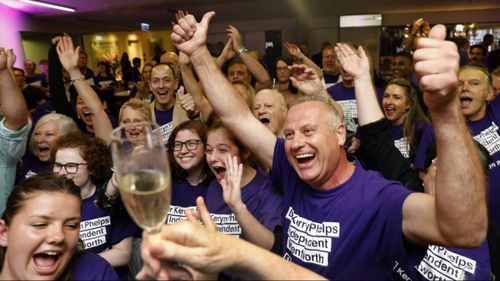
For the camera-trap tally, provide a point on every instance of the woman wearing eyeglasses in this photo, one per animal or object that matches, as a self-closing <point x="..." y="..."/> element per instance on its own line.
<point x="190" y="172"/>
<point x="87" y="162"/>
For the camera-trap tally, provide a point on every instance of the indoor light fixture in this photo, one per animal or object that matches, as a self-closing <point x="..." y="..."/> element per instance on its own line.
<point x="49" y="5"/>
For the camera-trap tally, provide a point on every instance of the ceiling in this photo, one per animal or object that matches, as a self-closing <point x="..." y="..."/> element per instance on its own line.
<point x="108" y="15"/>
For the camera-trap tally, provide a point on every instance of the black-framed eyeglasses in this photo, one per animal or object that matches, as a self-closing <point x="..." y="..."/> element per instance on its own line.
<point x="190" y="144"/>
<point x="71" y="168"/>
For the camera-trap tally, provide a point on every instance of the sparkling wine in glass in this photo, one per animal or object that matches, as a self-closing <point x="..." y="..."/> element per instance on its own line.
<point x="143" y="172"/>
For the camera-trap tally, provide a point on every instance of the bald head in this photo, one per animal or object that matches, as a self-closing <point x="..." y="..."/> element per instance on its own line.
<point x="171" y="59"/>
<point x="269" y="107"/>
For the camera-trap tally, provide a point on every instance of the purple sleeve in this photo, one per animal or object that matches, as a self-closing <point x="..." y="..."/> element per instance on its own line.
<point x="90" y="266"/>
<point x="271" y="211"/>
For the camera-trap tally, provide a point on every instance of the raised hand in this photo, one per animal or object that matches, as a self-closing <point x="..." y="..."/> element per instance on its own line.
<point x="306" y="80"/>
<point x="293" y="50"/>
<point x="235" y="37"/>
<point x="188" y="35"/>
<point x="11" y="58"/>
<point x="356" y="63"/>
<point x="228" y="51"/>
<point x="231" y="184"/>
<point x="436" y="62"/>
<point x="3" y="59"/>
<point x="68" y="55"/>
<point x="187" y="102"/>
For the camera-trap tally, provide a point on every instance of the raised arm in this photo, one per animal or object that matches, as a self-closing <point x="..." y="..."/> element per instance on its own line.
<point x="226" y="54"/>
<point x="193" y="88"/>
<point x="457" y="216"/>
<point x="307" y="81"/>
<point x="11" y="99"/>
<point x="68" y="56"/>
<point x="300" y="58"/>
<point x="356" y="63"/>
<point x="254" y="66"/>
<point x="189" y="37"/>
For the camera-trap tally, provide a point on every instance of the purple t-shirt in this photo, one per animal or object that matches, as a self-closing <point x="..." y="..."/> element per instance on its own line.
<point x="101" y="229"/>
<point x="164" y="119"/>
<point x="353" y="231"/>
<point x="486" y="132"/>
<point x="427" y="139"/>
<point x="90" y="266"/>
<point x="346" y="98"/>
<point x="32" y="166"/>
<point x="442" y="263"/>
<point x="184" y="196"/>
<point x="260" y="197"/>
<point x="402" y="144"/>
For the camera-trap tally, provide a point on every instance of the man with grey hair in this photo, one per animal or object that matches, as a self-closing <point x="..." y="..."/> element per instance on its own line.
<point x="342" y="221"/>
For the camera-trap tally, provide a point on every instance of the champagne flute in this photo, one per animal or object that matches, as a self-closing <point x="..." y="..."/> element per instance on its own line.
<point x="143" y="173"/>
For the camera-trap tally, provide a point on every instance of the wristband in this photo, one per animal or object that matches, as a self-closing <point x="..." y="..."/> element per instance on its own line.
<point x="242" y="50"/>
<point x="79" y="78"/>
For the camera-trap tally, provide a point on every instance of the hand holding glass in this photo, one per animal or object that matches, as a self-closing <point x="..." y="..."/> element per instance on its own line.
<point x="143" y="173"/>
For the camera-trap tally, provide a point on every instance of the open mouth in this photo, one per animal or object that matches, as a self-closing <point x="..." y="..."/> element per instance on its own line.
<point x="220" y="172"/>
<point x="305" y="158"/>
<point x="265" y="121"/>
<point x="43" y="151"/>
<point x="465" y="101"/>
<point x="46" y="262"/>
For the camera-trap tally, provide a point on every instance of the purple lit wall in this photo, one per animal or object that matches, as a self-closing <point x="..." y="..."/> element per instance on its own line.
<point x="13" y="22"/>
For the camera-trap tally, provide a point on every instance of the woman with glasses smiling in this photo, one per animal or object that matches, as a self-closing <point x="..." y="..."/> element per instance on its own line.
<point x="190" y="172"/>
<point x="87" y="162"/>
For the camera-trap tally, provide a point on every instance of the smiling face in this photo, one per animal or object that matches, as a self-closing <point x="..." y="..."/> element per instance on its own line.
<point x="270" y="108"/>
<point x="189" y="159"/>
<point x="72" y="155"/>
<point x="312" y="146"/>
<point x="401" y="66"/>
<point x="44" y="138"/>
<point x="41" y="239"/>
<point x="218" y="146"/>
<point x="395" y="104"/>
<point x="474" y="92"/>
<point x="163" y="86"/>
<point x="83" y="111"/>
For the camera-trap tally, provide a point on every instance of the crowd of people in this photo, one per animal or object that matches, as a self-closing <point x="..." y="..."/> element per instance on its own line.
<point x="293" y="167"/>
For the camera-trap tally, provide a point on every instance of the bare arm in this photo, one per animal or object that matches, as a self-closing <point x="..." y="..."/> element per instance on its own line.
<point x="11" y="99"/>
<point x="189" y="37"/>
<point x="68" y="56"/>
<point x="193" y="87"/>
<point x="298" y="56"/>
<point x="357" y="64"/>
<point x="254" y="66"/>
<point x="119" y="254"/>
<point x="457" y="216"/>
